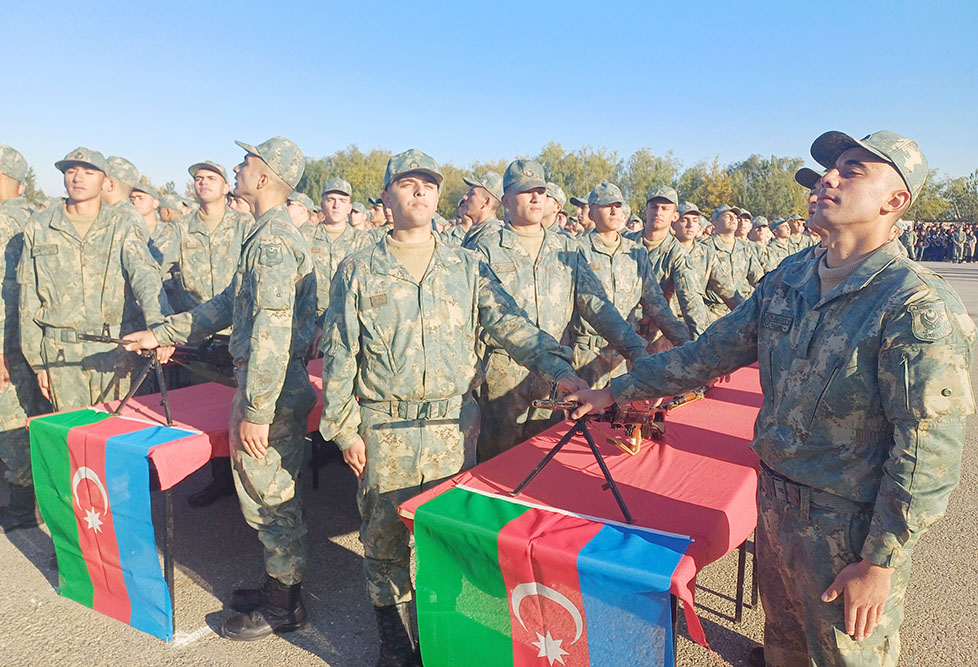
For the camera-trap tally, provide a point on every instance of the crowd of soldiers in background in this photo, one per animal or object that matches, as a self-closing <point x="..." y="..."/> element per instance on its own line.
<point x="942" y="242"/>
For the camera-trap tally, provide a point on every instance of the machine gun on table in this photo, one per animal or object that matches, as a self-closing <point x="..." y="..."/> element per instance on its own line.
<point x="210" y="359"/>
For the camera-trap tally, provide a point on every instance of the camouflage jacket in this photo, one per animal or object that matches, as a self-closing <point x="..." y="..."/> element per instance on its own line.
<point x="80" y="285"/>
<point x="454" y="235"/>
<point x="389" y="338"/>
<point x="741" y="262"/>
<point x="13" y="216"/>
<point x="555" y="287"/>
<point x="777" y="250"/>
<point x="715" y="284"/>
<point x="270" y="305"/>
<point x="476" y="232"/>
<point x="163" y="245"/>
<point x="677" y="281"/>
<point x="328" y="253"/>
<point x="206" y="261"/>
<point x="865" y="391"/>
<point x="629" y="282"/>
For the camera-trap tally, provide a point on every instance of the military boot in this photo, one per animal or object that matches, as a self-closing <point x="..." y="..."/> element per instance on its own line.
<point x="22" y="510"/>
<point x="398" y="647"/>
<point x="281" y="611"/>
<point x="246" y="600"/>
<point x="220" y="486"/>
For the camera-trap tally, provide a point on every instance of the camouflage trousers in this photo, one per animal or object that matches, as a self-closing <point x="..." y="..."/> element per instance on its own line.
<point x="78" y="372"/>
<point x="268" y="488"/>
<point x="20" y="399"/>
<point x="595" y="362"/>
<point x="804" y="538"/>
<point x="405" y="456"/>
<point x="508" y="417"/>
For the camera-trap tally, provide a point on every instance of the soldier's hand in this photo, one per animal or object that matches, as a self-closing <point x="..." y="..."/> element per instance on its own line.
<point x="591" y="400"/>
<point x="254" y="438"/>
<point x="570" y="383"/>
<point x="356" y="457"/>
<point x="865" y="587"/>
<point x="164" y="352"/>
<point x="141" y="340"/>
<point x="42" y="383"/>
<point x="4" y="373"/>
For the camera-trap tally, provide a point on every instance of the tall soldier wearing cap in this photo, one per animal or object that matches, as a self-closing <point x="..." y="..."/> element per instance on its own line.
<point x="121" y="177"/>
<point x="19" y="394"/>
<point x="760" y="237"/>
<point x="797" y="240"/>
<point x="555" y="204"/>
<point x="629" y="281"/>
<point x="300" y="209"/>
<point x="745" y="224"/>
<point x="358" y="217"/>
<point x="735" y="254"/>
<point x="171" y="207"/>
<point x="333" y="240"/>
<point x="712" y="276"/>
<point x="865" y="368"/>
<point x="550" y="279"/>
<point x="162" y="236"/>
<point x="85" y="267"/>
<point x="480" y="205"/>
<point x="669" y="265"/>
<point x="208" y="244"/>
<point x="398" y="361"/>
<point x="780" y="245"/>
<point x="270" y="306"/>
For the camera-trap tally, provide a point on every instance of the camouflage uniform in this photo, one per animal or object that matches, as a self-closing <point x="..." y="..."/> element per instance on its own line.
<point x="69" y="286"/>
<point x="328" y="253"/>
<point x="551" y="290"/>
<point x="777" y="250"/>
<point x="398" y="361"/>
<point x="270" y="305"/>
<point x="714" y="281"/>
<point x="958" y="239"/>
<point x="476" y="232"/>
<point x="866" y="391"/>
<point x="740" y="264"/>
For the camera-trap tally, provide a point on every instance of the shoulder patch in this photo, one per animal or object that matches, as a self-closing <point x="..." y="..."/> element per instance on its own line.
<point x="270" y="254"/>
<point x="930" y="321"/>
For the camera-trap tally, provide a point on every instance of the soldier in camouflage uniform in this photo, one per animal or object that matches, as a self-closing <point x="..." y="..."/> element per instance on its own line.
<point x="629" y="281"/>
<point x="780" y="245"/>
<point x="713" y="279"/>
<point x="333" y="240"/>
<point x="669" y="265"/>
<point x="480" y="205"/>
<point x="358" y="217"/>
<point x="735" y="254"/>
<point x="301" y="209"/>
<point x="399" y="359"/>
<point x="162" y="245"/>
<point x="549" y="277"/>
<point x="556" y="198"/>
<point x="270" y="306"/>
<point x="120" y="178"/>
<point x="85" y="268"/>
<point x="798" y="240"/>
<point x="760" y="237"/>
<point x="864" y="366"/>
<point x="19" y="393"/>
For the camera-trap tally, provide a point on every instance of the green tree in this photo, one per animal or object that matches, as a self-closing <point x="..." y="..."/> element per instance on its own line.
<point x="577" y="172"/>
<point x="716" y="189"/>
<point x="962" y="197"/>
<point x="766" y="186"/>
<point x="32" y="193"/>
<point x="691" y="182"/>
<point x="930" y="204"/>
<point x="645" y="170"/>
<point x="364" y="171"/>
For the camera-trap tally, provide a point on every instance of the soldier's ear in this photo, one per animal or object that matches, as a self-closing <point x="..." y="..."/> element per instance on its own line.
<point x="898" y="202"/>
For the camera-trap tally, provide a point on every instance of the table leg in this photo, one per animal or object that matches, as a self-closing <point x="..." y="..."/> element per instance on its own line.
<point x="674" y="610"/>
<point x="168" y="553"/>
<point x="741" y="572"/>
<point x="753" y="577"/>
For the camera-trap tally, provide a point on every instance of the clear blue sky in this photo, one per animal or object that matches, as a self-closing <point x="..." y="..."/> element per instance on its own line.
<point x="167" y="84"/>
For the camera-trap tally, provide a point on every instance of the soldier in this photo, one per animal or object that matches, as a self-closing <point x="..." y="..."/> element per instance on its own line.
<point x="780" y="245"/>
<point x="19" y="394"/>
<point x="958" y="239"/>
<point x="480" y="205"/>
<point x="549" y="278"/>
<point x="669" y="265"/>
<point x="121" y="177"/>
<point x="909" y="238"/>
<point x="376" y="218"/>
<point x="399" y="358"/>
<point x="300" y="209"/>
<point x="745" y="223"/>
<point x="238" y="204"/>
<point x="582" y="212"/>
<point x="797" y="240"/>
<point x="629" y="281"/>
<point x="760" y="236"/>
<point x="333" y="240"/>
<point x="171" y="207"/>
<point x="162" y="244"/>
<point x="713" y="279"/>
<point x="358" y="217"/>
<point x="84" y="267"/>
<point x="270" y="305"/>
<point x="734" y="253"/>
<point x="865" y="368"/>
<point x="555" y="203"/>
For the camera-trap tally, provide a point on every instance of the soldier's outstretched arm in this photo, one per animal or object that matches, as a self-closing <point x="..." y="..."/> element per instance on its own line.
<point x="655" y="306"/>
<point x="205" y="319"/>
<point x="593" y="304"/>
<point x="143" y="274"/>
<point x="925" y="384"/>
<point x="341" y="346"/>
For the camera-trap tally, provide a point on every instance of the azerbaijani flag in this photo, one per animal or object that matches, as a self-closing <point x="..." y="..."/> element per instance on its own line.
<point x="504" y="583"/>
<point x="91" y="476"/>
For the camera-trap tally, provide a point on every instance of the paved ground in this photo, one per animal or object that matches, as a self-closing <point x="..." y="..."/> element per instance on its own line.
<point x="216" y="552"/>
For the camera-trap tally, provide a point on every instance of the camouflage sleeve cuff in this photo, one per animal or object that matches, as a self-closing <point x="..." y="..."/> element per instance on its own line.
<point x="345" y="440"/>
<point x="880" y="550"/>
<point x="259" y="416"/>
<point x="624" y="389"/>
<point x="162" y="335"/>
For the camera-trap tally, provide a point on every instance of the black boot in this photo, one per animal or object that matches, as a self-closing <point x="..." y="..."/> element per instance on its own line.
<point x="281" y="611"/>
<point x="397" y="645"/>
<point x="220" y="486"/>
<point x="22" y="510"/>
<point x="246" y="600"/>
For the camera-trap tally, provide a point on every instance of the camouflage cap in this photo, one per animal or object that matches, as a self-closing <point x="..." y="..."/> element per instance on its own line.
<point x="807" y="178"/>
<point x="720" y="210"/>
<point x="626" y="209"/>
<point x="12" y="163"/>
<point x="902" y="153"/>
<point x="523" y="176"/>
<point x="411" y="161"/>
<point x="148" y="189"/>
<point x="85" y="156"/>
<point x="171" y="201"/>
<point x="744" y="213"/>
<point x="635" y="218"/>
<point x="578" y="201"/>
<point x="375" y="202"/>
<point x="337" y="184"/>
<point x="359" y="207"/>
<point x="490" y="181"/>
<point x="759" y="221"/>
<point x="663" y="192"/>
<point x="301" y="198"/>
<point x="282" y="156"/>
<point x="688" y="207"/>
<point x="777" y="222"/>
<point x="605" y="194"/>
<point x="794" y="217"/>
<point x="212" y="166"/>
<point x="122" y="170"/>
<point x="557" y="193"/>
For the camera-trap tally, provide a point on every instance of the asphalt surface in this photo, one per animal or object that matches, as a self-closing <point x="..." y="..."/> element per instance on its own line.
<point x="216" y="552"/>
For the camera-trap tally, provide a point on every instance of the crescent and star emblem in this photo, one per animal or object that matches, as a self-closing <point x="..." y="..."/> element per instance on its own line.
<point x="92" y="517"/>
<point x="549" y="647"/>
